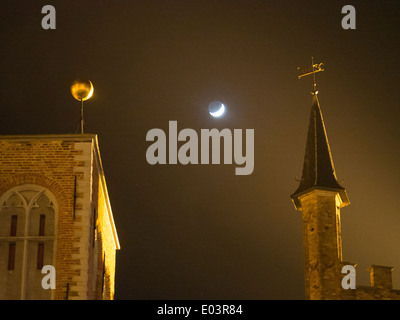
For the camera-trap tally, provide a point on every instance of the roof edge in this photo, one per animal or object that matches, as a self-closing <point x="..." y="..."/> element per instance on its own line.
<point x="71" y="137"/>
<point x="342" y="193"/>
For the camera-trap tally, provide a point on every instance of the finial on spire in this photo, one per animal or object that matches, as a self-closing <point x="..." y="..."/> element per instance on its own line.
<point x="311" y="70"/>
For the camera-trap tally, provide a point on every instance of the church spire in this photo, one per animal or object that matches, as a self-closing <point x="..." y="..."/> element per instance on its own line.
<point x="318" y="169"/>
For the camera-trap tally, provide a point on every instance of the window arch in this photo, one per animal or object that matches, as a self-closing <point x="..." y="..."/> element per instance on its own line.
<point x="28" y="220"/>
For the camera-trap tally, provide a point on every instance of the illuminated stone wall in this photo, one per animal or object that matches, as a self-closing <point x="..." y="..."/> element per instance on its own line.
<point x="323" y="254"/>
<point x="105" y="234"/>
<point x="69" y="167"/>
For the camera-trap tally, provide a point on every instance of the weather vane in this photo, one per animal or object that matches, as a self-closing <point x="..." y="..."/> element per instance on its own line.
<point x="311" y="70"/>
<point x="82" y="90"/>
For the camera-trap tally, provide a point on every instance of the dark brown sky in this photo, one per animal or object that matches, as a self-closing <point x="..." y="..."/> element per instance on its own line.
<point x="198" y="231"/>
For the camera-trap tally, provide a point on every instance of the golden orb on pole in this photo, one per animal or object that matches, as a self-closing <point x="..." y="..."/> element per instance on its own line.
<point x="82" y="89"/>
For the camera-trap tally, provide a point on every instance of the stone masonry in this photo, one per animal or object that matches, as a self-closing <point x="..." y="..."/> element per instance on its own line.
<point x="69" y="168"/>
<point x="320" y="197"/>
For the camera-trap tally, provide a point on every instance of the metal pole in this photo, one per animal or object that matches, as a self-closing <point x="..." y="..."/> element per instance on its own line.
<point x="314" y="84"/>
<point x="81" y="116"/>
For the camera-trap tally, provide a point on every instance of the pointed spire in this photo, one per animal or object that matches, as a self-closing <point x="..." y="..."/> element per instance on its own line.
<point x="318" y="168"/>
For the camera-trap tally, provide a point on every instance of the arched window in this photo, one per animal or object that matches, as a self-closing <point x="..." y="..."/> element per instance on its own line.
<point x="27" y="241"/>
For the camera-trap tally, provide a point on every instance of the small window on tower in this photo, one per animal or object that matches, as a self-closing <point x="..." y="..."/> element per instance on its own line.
<point x="40" y="256"/>
<point x="13" y="228"/>
<point x="11" y="256"/>
<point x="41" y="224"/>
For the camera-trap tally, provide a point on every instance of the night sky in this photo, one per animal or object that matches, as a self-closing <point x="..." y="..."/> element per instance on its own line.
<point x="200" y="231"/>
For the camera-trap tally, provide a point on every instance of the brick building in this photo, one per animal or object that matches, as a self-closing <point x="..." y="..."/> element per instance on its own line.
<point x="320" y="197"/>
<point x="55" y="210"/>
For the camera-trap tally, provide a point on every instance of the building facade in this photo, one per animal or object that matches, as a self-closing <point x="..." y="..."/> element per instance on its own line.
<point x="55" y="211"/>
<point x="320" y="197"/>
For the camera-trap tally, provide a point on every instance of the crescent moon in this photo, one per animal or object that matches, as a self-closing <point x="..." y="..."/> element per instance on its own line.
<point x="219" y="112"/>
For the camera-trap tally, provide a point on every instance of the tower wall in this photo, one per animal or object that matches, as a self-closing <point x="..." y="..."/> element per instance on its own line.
<point x="69" y="166"/>
<point x="322" y="243"/>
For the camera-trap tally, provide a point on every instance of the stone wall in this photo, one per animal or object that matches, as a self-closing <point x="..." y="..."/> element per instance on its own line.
<point x="323" y="253"/>
<point x="68" y="166"/>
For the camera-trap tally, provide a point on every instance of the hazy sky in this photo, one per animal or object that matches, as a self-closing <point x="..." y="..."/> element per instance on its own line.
<point x="200" y="231"/>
